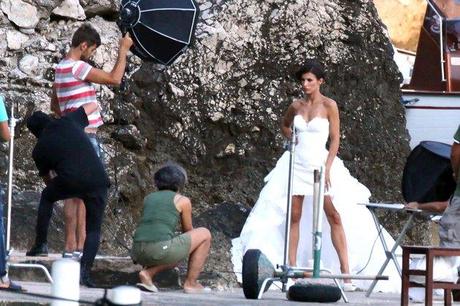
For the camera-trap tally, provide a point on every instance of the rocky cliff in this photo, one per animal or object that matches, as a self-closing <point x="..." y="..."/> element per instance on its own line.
<point x="216" y="111"/>
<point x="403" y="19"/>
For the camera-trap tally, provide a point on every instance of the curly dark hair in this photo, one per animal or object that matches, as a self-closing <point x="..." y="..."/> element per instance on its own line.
<point x="86" y="33"/>
<point x="171" y="176"/>
<point x="312" y="66"/>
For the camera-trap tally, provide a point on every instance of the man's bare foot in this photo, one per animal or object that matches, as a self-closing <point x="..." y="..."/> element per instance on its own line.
<point x="7" y="284"/>
<point x="145" y="278"/>
<point x="196" y="288"/>
<point x="194" y="285"/>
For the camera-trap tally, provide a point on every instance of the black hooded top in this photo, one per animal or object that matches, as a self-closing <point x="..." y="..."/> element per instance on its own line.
<point x="64" y="147"/>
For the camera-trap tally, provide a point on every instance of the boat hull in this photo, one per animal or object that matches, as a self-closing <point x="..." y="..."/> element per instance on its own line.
<point x="435" y="116"/>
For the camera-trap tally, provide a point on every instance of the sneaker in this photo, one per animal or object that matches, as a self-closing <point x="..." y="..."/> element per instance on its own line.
<point x="38" y="250"/>
<point x="88" y="282"/>
<point x="85" y="278"/>
<point x="66" y="254"/>
<point x="77" y="254"/>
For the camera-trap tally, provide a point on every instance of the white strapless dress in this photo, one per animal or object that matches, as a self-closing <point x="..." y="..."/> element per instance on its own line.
<point x="264" y="228"/>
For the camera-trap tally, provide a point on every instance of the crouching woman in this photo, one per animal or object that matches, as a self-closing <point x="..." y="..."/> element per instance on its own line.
<point x="156" y="246"/>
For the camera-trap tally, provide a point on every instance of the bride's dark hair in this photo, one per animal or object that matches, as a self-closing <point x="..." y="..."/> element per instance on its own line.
<point x="313" y="66"/>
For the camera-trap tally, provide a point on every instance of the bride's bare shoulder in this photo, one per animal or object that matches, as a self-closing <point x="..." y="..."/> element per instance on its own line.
<point x="329" y="103"/>
<point x="297" y="102"/>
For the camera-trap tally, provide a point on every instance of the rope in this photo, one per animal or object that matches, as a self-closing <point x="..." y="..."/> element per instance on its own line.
<point x="372" y="250"/>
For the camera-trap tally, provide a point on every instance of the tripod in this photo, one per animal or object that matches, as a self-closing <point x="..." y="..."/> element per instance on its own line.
<point x="12" y="125"/>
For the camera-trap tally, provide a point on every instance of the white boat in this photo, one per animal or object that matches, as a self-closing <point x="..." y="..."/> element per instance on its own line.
<point x="431" y="87"/>
<point x="432" y="116"/>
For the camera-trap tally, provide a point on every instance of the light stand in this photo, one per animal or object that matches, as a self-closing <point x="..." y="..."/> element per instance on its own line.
<point x="12" y="125"/>
<point x="292" y="145"/>
<point x="318" y="204"/>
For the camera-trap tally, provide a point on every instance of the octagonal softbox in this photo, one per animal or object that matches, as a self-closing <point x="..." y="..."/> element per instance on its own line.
<point x="161" y="29"/>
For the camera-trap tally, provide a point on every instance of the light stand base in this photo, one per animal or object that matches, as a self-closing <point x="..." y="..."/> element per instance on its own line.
<point x="297" y="272"/>
<point x="33" y="266"/>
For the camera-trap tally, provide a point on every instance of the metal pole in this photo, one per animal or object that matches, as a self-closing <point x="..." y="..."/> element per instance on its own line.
<point x="292" y="145"/>
<point x="10" y="202"/>
<point x="441" y="50"/>
<point x="315" y="204"/>
<point x="318" y="203"/>
<point x="307" y="273"/>
<point x="349" y="276"/>
<point x="10" y="178"/>
<point x="441" y="40"/>
<point x="315" y="209"/>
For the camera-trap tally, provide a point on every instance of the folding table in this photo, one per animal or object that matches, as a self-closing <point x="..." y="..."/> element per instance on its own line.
<point x="391" y="253"/>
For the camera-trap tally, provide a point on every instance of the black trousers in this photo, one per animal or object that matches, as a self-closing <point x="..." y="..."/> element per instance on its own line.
<point x="94" y="200"/>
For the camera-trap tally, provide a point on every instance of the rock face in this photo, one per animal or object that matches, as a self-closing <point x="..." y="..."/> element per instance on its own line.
<point x="403" y="19"/>
<point x="71" y="9"/>
<point x="21" y="13"/>
<point x="217" y="110"/>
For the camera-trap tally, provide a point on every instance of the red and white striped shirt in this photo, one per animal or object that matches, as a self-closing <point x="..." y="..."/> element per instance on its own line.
<point x="73" y="91"/>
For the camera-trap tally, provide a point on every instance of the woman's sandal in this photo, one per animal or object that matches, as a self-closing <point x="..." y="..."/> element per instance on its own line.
<point x="147" y="288"/>
<point x="349" y="287"/>
<point x="11" y="287"/>
<point x="203" y="290"/>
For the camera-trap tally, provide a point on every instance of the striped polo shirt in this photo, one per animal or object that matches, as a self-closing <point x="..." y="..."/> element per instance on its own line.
<point x="73" y="91"/>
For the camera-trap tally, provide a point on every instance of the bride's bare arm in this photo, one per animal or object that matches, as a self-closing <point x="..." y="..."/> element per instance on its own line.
<point x="334" y="132"/>
<point x="288" y="118"/>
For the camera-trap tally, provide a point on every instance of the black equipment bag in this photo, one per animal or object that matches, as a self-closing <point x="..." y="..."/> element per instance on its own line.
<point x="428" y="172"/>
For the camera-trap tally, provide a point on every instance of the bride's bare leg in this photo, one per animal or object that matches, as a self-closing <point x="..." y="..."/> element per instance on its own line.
<point x="338" y="237"/>
<point x="296" y="213"/>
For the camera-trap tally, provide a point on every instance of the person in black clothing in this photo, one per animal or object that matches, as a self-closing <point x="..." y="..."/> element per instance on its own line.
<point x="64" y="147"/>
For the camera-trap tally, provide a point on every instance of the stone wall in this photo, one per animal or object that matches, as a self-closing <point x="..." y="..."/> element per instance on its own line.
<point x="217" y="110"/>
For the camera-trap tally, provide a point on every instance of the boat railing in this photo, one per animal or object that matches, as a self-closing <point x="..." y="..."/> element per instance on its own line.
<point x="441" y="40"/>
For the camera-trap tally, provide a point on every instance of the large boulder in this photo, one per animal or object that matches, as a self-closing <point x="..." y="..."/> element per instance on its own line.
<point x="70" y="9"/>
<point x="101" y="7"/>
<point x="22" y="14"/>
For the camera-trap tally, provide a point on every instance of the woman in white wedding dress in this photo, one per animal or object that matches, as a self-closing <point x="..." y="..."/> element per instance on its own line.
<point x="353" y="246"/>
